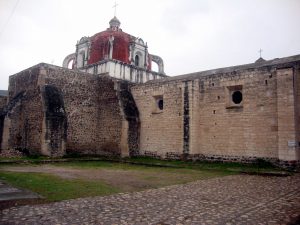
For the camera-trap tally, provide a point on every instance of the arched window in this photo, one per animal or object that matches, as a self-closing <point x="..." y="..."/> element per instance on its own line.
<point x="137" y="60"/>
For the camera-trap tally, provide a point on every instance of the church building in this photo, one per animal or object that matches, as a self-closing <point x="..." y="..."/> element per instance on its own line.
<point x="106" y="100"/>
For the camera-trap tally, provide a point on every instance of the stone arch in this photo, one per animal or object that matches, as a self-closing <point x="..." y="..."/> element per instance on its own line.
<point x="159" y="61"/>
<point x="68" y="59"/>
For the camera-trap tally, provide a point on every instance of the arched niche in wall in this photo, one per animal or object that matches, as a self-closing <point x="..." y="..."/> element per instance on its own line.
<point x="138" y="59"/>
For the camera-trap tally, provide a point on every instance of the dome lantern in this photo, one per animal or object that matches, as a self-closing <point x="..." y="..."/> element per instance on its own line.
<point x="114" y="23"/>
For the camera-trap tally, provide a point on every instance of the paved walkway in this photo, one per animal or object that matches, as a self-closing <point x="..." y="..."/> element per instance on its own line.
<point x="240" y="199"/>
<point x="7" y="192"/>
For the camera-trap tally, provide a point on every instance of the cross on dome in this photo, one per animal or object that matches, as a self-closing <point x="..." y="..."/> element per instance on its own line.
<point x="115" y="23"/>
<point x="115" y="6"/>
<point x="260" y="51"/>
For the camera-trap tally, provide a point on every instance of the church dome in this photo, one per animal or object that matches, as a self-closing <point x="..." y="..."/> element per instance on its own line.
<point x="112" y="47"/>
<point x="100" y="46"/>
<point x="113" y="44"/>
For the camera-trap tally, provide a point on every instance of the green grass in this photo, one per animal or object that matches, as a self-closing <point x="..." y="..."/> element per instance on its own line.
<point x="166" y="166"/>
<point x="54" y="188"/>
<point x="98" y="162"/>
<point x="147" y="173"/>
<point x="137" y="178"/>
<point x="259" y="166"/>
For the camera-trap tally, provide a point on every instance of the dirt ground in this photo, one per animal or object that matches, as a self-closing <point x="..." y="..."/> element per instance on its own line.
<point x="126" y="180"/>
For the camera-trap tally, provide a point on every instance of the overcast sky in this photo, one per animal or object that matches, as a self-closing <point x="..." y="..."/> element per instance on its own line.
<point x="190" y="35"/>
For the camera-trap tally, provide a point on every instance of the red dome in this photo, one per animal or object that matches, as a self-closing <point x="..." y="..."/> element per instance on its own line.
<point x="100" y="46"/>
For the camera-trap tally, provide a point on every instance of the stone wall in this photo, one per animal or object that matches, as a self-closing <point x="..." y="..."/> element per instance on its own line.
<point x="3" y="102"/>
<point x="97" y="122"/>
<point x="69" y="112"/>
<point x="288" y="144"/>
<point x="93" y="114"/>
<point x="55" y="124"/>
<point x="21" y="118"/>
<point x="222" y="127"/>
<point x="297" y="107"/>
<point x="235" y="114"/>
<point x="200" y="119"/>
<point x="161" y="130"/>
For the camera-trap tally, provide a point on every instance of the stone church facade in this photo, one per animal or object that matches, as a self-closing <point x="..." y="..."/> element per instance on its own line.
<point x="110" y="102"/>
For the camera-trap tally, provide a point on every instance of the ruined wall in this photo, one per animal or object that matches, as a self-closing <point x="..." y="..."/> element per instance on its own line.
<point x="92" y="110"/>
<point x="130" y="139"/>
<point x="3" y="102"/>
<point x="55" y="123"/>
<point x="21" y="118"/>
<point x="54" y="111"/>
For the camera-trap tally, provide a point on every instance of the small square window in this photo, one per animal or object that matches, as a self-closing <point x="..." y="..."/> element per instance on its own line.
<point x="234" y="96"/>
<point x="158" y="104"/>
<point x="237" y="97"/>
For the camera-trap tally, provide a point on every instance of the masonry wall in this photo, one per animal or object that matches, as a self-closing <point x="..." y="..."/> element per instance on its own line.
<point x="3" y="102"/>
<point x="297" y="107"/>
<point x="161" y="130"/>
<point x="287" y="104"/>
<point x="92" y="109"/>
<point x="56" y="111"/>
<point x="247" y="129"/>
<point x="201" y="120"/>
<point x="21" y="125"/>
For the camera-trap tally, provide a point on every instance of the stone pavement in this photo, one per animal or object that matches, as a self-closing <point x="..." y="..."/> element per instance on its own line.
<point x="7" y="192"/>
<point x="240" y="199"/>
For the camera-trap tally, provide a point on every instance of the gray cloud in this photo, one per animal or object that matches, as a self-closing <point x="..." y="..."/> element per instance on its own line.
<point x="190" y="35"/>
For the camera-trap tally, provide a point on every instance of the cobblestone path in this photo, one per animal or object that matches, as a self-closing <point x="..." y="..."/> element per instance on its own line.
<point x="240" y="199"/>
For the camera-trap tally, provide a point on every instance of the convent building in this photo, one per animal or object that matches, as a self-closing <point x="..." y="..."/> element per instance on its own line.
<point x="106" y="100"/>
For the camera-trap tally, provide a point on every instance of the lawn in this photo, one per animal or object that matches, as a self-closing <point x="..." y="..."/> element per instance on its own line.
<point x="77" y="178"/>
<point x="69" y="180"/>
<point x="54" y="188"/>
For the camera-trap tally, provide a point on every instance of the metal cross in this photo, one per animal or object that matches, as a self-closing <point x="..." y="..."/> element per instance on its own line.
<point x="115" y="6"/>
<point x="260" y="51"/>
